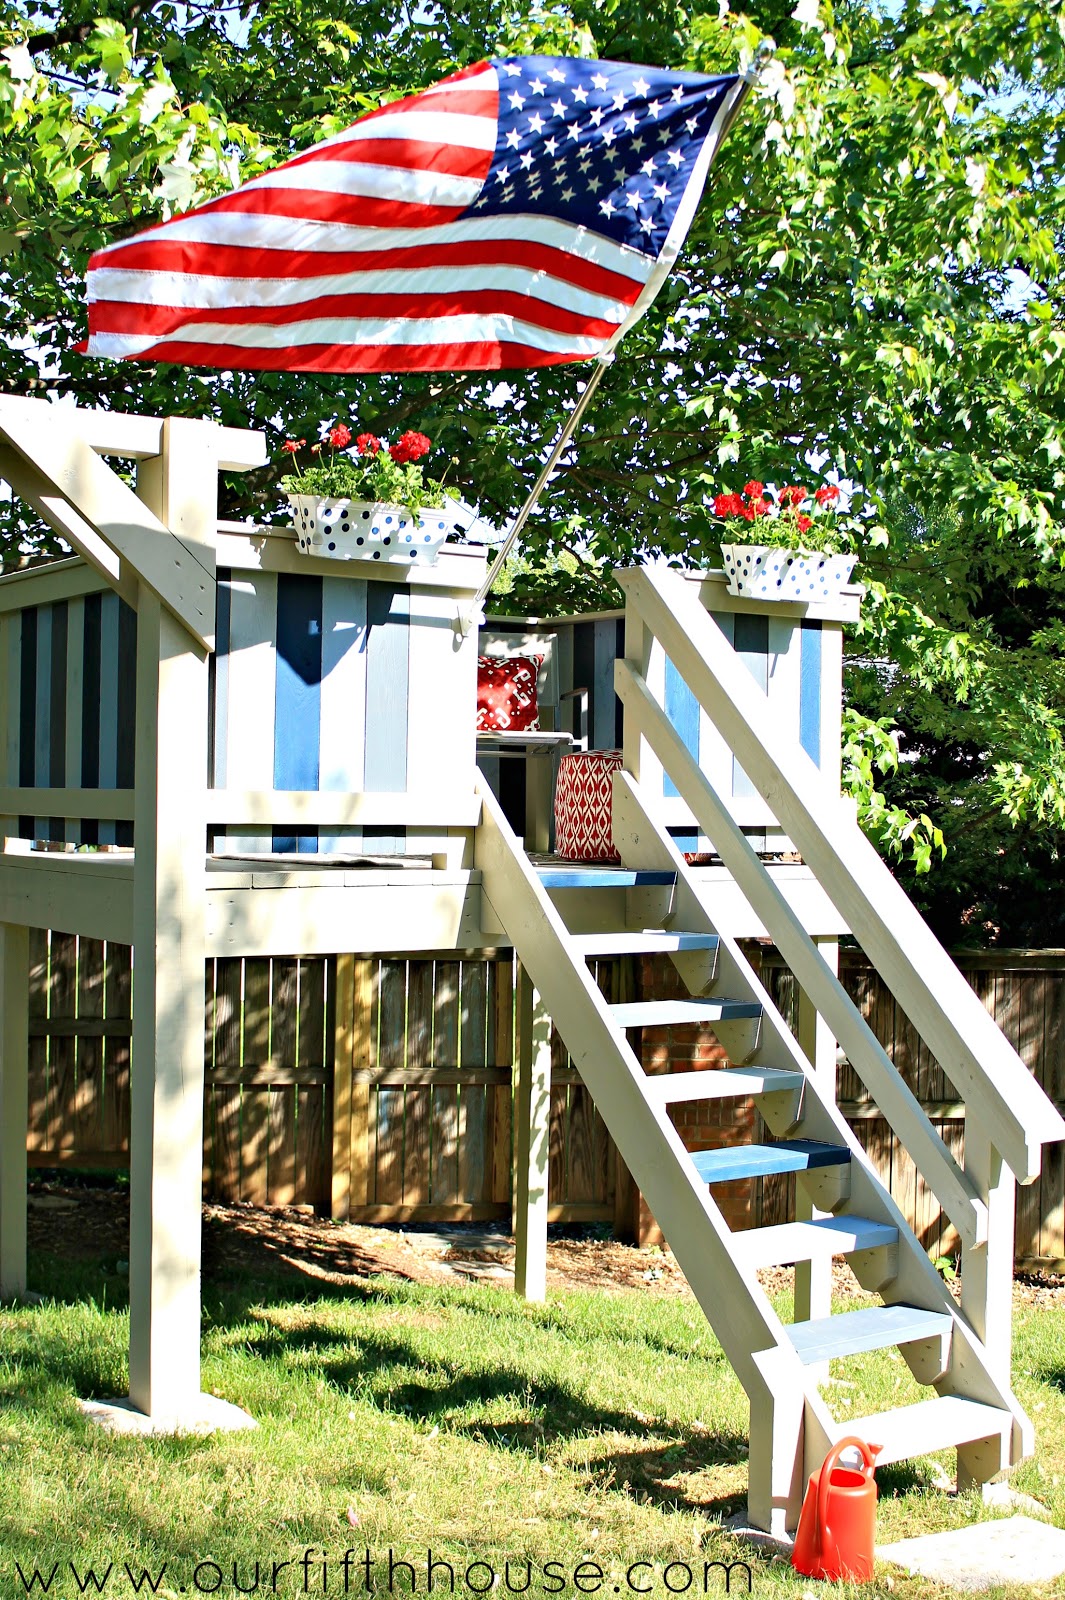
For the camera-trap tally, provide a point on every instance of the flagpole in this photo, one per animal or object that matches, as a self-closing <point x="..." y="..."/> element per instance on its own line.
<point x="475" y="616"/>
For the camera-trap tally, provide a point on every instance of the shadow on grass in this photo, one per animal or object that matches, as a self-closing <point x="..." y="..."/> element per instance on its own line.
<point x="393" y="1369"/>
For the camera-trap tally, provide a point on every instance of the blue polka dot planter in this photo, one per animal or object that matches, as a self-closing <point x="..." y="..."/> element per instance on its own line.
<point x="768" y="574"/>
<point x="367" y="530"/>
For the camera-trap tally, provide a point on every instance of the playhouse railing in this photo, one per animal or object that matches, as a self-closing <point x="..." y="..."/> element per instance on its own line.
<point x="1006" y="1120"/>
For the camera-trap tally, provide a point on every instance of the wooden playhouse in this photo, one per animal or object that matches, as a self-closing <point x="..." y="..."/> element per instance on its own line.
<point x="262" y="753"/>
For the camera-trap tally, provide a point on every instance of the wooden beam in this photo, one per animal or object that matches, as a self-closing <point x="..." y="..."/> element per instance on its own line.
<point x="532" y="1140"/>
<point x="74" y="472"/>
<point x="424" y="809"/>
<point x="35" y="489"/>
<point x="121" y="433"/>
<point x="110" y="805"/>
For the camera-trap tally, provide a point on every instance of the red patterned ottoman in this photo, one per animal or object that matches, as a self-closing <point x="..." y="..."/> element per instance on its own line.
<point x="583" y="796"/>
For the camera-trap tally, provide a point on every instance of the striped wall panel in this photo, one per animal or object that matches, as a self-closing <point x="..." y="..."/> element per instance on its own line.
<point x="336" y="684"/>
<point x="69" y="707"/>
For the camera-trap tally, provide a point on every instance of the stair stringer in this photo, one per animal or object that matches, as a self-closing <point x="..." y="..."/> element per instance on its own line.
<point x="753" y="1338"/>
<point x="643" y="843"/>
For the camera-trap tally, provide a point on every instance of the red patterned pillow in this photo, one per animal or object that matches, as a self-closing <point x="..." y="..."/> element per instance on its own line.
<point x="506" y="694"/>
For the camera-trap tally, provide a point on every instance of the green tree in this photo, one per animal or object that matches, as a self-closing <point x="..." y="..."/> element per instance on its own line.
<point x="874" y="282"/>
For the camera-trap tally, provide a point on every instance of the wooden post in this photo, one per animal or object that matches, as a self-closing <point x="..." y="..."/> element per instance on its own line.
<point x="166" y="1144"/>
<point x="813" y="1279"/>
<point x="987" y="1288"/>
<point x="987" y="1270"/>
<point x="170" y="831"/>
<point x="532" y="1130"/>
<point x="14" y="1065"/>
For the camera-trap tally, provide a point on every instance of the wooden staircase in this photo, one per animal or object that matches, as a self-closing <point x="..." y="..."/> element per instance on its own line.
<point x="557" y="918"/>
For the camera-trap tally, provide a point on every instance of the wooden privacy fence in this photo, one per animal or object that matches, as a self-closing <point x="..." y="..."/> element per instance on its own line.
<point x="417" y="1123"/>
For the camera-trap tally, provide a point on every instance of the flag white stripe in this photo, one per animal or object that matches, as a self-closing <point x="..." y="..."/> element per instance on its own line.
<point x="410" y="184"/>
<point x="255" y="230"/>
<point x="465" y="328"/>
<point x="185" y="290"/>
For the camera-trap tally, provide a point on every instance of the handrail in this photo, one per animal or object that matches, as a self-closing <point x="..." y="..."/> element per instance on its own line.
<point x="952" y="1187"/>
<point x="263" y="808"/>
<point x="948" y="1015"/>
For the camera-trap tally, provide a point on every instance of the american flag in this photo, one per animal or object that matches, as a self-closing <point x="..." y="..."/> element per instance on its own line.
<point x="522" y="212"/>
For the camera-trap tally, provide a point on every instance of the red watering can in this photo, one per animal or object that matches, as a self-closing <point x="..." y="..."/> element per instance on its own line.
<point x="838" y="1522"/>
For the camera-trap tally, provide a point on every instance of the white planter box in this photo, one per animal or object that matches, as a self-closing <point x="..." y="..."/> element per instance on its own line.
<point x="366" y="530"/>
<point x="762" y="573"/>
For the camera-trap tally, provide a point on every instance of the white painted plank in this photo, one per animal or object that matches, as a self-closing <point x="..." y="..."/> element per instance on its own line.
<point x="251" y="683"/>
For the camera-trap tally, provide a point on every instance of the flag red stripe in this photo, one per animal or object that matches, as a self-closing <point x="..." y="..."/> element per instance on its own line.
<point x="459" y="161"/>
<point x="117" y="316"/>
<point x="244" y="261"/>
<point x="438" y="98"/>
<point x="364" y="211"/>
<point x="470" y="357"/>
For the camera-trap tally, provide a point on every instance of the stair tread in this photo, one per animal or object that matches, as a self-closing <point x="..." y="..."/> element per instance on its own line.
<point x="873" y="1328"/>
<point x="641" y="941"/>
<point x="666" y="1013"/>
<point x="578" y="877"/>
<point x="721" y="1083"/>
<point x="927" y="1426"/>
<point x="809" y="1241"/>
<point x="760" y="1160"/>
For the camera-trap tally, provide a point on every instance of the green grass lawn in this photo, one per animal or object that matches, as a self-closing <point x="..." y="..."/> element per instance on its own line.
<point x="600" y="1428"/>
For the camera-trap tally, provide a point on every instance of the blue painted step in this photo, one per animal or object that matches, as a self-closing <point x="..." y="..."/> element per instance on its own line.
<point x="642" y="941"/>
<point x="603" y="878"/>
<point x="664" y="1013"/>
<point x="875" y="1328"/>
<point x="761" y="1160"/>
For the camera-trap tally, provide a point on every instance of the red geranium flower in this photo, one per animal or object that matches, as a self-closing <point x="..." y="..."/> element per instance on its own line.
<point x="827" y="495"/>
<point x="754" y="488"/>
<point x="367" y="444"/>
<point x="410" y="447"/>
<point x="794" y="496"/>
<point x="803" y="522"/>
<point x="290" y="447"/>
<point x="340" y="436"/>
<point x="759" y="506"/>
<point x="747" y="512"/>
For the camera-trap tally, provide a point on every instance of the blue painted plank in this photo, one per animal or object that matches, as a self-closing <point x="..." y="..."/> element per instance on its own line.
<point x="682" y="709"/>
<point x="874" y="1328"/>
<point x="297" y="693"/>
<point x="602" y="878"/>
<point x="762" y="1160"/>
<point x="810" y="639"/>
